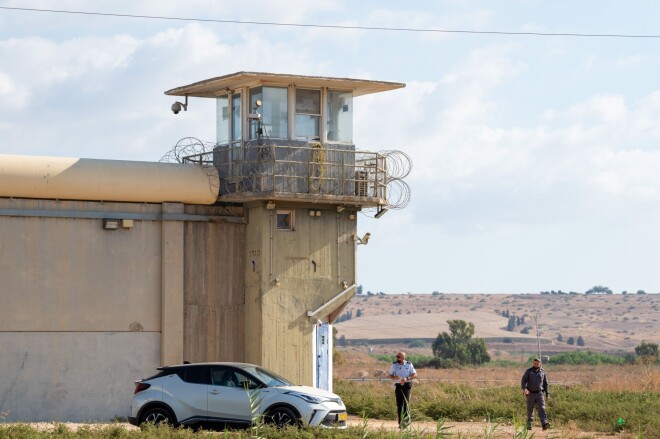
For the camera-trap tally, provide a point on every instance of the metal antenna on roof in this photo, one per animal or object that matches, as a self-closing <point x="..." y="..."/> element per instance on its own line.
<point x="538" y="338"/>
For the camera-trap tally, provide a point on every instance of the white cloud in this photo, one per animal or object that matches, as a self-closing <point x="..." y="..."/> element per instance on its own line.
<point x="12" y="96"/>
<point x="39" y="64"/>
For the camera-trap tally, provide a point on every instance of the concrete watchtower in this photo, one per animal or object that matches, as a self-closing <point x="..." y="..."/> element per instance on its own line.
<point x="284" y="151"/>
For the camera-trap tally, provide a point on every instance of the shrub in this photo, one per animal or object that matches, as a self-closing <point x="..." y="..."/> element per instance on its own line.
<point x="591" y="358"/>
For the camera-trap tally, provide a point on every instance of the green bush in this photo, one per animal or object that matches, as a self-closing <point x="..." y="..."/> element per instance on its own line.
<point x="591" y="358"/>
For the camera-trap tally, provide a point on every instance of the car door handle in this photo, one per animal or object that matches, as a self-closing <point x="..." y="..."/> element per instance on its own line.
<point x="214" y="392"/>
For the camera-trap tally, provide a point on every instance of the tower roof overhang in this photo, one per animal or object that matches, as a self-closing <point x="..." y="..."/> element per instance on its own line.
<point x="214" y="87"/>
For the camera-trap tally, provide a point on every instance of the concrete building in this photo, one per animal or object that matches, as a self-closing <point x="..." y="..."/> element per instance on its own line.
<point x="244" y="251"/>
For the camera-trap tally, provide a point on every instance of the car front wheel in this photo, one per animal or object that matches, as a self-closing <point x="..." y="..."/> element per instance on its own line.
<point x="283" y="417"/>
<point x="157" y="416"/>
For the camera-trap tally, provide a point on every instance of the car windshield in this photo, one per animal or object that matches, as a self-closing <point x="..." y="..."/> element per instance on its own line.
<point x="271" y="379"/>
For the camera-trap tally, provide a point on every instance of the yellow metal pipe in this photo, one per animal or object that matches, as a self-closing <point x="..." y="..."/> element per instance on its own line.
<point x="106" y="180"/>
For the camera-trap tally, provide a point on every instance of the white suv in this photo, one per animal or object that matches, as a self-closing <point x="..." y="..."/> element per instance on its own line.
<point x="231" y="394"/>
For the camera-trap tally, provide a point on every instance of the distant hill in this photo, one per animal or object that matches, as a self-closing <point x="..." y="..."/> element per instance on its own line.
<point x="606" y="322"/>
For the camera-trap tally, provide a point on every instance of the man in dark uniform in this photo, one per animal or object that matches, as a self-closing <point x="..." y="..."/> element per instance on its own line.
<point x="534" y="384"/>
<point x="402" y="372"/>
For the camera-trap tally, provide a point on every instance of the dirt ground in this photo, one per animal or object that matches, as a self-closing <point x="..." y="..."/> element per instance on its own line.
<point x="477" y="429"/>
<point x="456" y="429"/>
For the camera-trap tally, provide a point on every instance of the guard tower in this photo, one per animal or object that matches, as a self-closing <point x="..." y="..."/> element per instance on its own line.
<point x="284" y="151"/>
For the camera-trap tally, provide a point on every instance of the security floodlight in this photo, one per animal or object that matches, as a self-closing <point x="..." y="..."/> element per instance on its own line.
<point x="364" y="240"/>
<point x="382" y="210"/>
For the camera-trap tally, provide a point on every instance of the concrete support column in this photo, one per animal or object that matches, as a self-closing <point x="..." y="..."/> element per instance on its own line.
<point x="172" y="287"/>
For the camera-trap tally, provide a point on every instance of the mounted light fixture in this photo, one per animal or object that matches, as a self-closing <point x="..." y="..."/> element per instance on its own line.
<point x="255" y="115"/>
<point x="111" y="224"/>
<point x="340" y="209"/>
<point x="364" y="240"/>
<point x="382" y="210"/>
<point x="270" y="205"/>
<point x="177" y="106"/>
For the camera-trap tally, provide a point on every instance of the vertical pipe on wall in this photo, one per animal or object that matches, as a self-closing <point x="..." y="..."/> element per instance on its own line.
<point x="337" y="256"/>
<point x="270" y="244"/>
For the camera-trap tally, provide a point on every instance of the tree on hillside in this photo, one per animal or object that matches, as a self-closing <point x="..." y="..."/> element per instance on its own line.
<point x="645" y="349"/>
<point x="598" y="289"/>
<point x="458" y="348"/>
<point x="511" y="324"/>
<point x="580" y="341"/>
<point x="359" y="289"/>
<point x="570" y="340"/>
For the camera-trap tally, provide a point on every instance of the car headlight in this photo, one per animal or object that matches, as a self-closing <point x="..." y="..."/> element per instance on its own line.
<point x="313" y="399"/>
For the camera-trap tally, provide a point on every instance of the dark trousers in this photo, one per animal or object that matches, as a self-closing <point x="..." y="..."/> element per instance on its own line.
<point x="536" y="399"/>
<point x="402" y="392"/>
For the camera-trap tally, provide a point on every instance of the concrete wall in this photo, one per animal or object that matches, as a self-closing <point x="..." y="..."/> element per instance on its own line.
<point x="73" y="376"/>
<point x="86" y="311"/>
<point x="214" y="292"/>
<point x="289" y="273"/>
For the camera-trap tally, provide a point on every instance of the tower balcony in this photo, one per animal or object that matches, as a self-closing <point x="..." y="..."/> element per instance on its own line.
<point x="298" y="171"/>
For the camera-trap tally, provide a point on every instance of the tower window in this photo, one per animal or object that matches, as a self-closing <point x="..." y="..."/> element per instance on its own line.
<point x="308" y="113"/>
<point x="284" y="220"/>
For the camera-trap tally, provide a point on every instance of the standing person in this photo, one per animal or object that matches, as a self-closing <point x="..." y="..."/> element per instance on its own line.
<point x="534" y="383"/>
<point x="402" y="372"/>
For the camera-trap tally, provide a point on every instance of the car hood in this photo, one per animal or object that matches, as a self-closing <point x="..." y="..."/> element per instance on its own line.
<point x="310" y="391"/>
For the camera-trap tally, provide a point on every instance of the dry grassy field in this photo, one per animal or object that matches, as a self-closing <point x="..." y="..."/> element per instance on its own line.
<point x="602" y="377"/>
<point x="612" y="323"/>
<point x="586" y="401"/>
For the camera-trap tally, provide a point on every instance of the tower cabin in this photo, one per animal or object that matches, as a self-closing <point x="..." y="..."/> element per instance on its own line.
<point x="289" y="138"/>
<point x="284" y="151"/>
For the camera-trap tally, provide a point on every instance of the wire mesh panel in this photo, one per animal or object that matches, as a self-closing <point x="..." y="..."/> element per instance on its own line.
<point x="315" y="169"/>
<point x="300" y="168"/>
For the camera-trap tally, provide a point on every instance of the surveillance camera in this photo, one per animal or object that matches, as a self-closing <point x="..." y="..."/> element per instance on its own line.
<point x="176" y="107"/>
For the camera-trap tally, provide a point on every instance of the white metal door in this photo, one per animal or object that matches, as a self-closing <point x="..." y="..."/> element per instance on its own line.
<point x="324" y="356"/>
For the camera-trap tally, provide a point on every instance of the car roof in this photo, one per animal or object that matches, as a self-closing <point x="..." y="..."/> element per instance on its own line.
<point x="213" y="363"/>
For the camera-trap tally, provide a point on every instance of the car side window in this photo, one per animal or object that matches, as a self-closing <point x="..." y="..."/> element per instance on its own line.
<point x="224" y="376"/>
<point x="246" y="382"/>
<point x="196" y="375"/>
<point x="229" y="377"/>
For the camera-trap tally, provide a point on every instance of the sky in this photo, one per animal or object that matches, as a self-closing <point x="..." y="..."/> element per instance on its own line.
<point x="535" y="158"/>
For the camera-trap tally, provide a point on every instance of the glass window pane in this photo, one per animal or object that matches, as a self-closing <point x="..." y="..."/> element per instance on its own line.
<point x="307" y="126"/>
<point x="308" y="102"/>
<point x="222" y="120"/>
<point x="276" y="112"/>
<point x="236" y="116"/>
<point x="255" y="93"/>
<point x="198" y="375"/>
<point x="308" y="113"/>
<point x="284" y="220"/>
<point x="340" y="116"/>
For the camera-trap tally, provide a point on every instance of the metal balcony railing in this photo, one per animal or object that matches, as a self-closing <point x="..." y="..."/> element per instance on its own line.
<point x="307" y="170"/>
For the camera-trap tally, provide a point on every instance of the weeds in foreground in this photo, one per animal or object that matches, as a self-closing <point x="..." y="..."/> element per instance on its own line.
<point x="258" y="420"/>
<point x="520" y="430"/>
<point x="442" y="430"/>
<point x="489" y="430"/>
